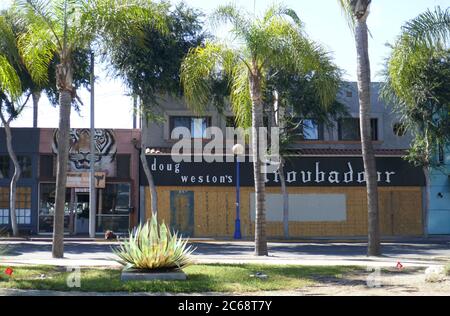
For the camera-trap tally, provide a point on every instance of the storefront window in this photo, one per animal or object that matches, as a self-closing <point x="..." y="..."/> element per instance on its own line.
<point x="47" y="208"/>
<point x="4" y="167"/>
<point x="114" y="208"/>
<point x="4" y="205"/>
<point x="25" y="166"/>
<point x="23" y="205"/>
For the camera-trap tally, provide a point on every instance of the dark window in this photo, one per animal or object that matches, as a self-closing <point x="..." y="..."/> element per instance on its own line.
<point x="348" y="129"/>
<point x="25" y="166"/>
<point x="116" y="198"/>
<point x="349" y="94"/>
<point x="307" y="129"/>
<point x="4" y="167"/>
<point x="47" y="194"/>
<point x="123" y="166"/>
<point x="196" y="125"/>
<point x="46" y="166"/>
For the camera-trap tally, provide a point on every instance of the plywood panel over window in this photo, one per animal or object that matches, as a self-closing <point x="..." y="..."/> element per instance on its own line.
<point x="314" y="212"/>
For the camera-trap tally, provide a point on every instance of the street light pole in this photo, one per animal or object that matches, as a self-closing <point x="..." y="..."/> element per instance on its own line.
<point x="238" y="150"/>
<point x="92" y="195"/>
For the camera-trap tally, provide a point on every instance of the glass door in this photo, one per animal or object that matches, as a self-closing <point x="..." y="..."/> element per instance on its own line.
<point x="82" y="213"/>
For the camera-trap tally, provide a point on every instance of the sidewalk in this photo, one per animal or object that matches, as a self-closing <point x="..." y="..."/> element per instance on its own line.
<point x="99" y="254"/>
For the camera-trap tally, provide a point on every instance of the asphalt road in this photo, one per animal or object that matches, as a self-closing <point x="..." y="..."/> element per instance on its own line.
<point x="420" y="250"/>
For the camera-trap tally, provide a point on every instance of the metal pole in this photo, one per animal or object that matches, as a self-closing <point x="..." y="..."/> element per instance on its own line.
<point x="92" y="195"/>
<point x="134" y="111"/>
<point x="237" y="226"/>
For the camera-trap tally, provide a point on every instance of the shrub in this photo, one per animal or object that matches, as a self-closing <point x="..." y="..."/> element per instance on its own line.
<point x="154" y="247"/>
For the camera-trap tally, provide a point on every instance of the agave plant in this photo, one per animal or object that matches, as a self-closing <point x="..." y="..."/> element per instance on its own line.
<point x="154" y="247"/>
<point x="3" y="248"/>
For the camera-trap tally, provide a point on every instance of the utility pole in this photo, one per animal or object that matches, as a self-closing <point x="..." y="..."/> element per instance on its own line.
<point x="92" y="195"/>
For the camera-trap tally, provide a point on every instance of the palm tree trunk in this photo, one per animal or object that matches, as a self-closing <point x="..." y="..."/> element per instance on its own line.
<point x="363" y="71"/>
<point x="257" y="121"/>
<point x="147" y="171"/>
<point x="36" y="97"/>
<point x="14" y="179"/>
<point x="426" y="171"/>
<point x="285" y="200"/>
<point x="65" y="103"/>
<point x="151" y="183"/>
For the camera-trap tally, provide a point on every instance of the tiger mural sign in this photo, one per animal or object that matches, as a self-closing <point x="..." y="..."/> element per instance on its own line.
<point x="80" y="158"/>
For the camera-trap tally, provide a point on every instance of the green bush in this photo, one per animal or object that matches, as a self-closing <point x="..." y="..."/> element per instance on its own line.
<point x="153" y="247"/>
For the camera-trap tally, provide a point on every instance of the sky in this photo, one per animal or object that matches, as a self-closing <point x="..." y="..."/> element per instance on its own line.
<point x="323" y="21"/>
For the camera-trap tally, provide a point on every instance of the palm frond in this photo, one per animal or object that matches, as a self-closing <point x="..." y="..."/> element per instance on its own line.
<point x="278" y="10"/>
<point x="8" y="45"/>
<point x="198" y="67"/>
<point x="429" y="28"/>
<point x="9" y="80"/>
<point x="241" y="103"/>
<point x="41" y="13"/>
<point x="37" y="50"/>
<point x="348" y="13"/>
<point x="233" y="15"/>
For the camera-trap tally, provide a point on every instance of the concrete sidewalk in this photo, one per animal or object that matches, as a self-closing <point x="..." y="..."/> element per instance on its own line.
<point x="83" y="254"/>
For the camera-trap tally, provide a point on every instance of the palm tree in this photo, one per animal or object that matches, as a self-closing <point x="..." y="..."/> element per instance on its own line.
<point x="414" y="87"/>
<point x="59" y="28"/>
<point x="14" y="81"/>
<point x="274" y="41"/>
<point x="357" y="12"/>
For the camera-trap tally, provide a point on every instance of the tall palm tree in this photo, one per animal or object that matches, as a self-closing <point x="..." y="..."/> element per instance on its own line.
<point x="357" y="12"/>
<point x="14" y="81"/>
<point x="274" y="41"/>
<point x="58" y="28"/>
<point x="423" y="41"/>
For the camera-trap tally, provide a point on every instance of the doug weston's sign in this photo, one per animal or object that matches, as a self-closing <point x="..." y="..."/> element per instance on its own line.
<point x="299" y="171"/>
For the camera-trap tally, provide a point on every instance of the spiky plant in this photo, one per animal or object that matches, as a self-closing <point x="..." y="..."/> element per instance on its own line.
<point x="154" y="247"/>
<point x="3" y="248"/>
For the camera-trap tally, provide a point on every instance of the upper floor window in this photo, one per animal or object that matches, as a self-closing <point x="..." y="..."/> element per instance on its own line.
<point x="4" y="167"/>
<point x="349" y="129"/>
<point x="196" y="125"/>
<point x="25" y="166"/>
<point x="308" y="129"/>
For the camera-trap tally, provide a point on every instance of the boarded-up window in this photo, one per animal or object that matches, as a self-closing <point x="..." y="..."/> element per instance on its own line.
<point x="305" y="207"/>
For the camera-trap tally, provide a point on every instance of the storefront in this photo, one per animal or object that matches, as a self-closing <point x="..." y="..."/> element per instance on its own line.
<point x="327" y="197"/>
<point x="25" y="145"/>
<point x="116" y="165"/>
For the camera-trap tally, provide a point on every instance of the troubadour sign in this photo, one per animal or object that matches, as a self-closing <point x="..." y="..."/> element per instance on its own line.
<point x="299" y="171"/>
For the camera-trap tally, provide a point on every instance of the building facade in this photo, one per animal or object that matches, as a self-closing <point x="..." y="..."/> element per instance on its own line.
<point x="324" y="173"/>
<point x="117" y="180"/>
